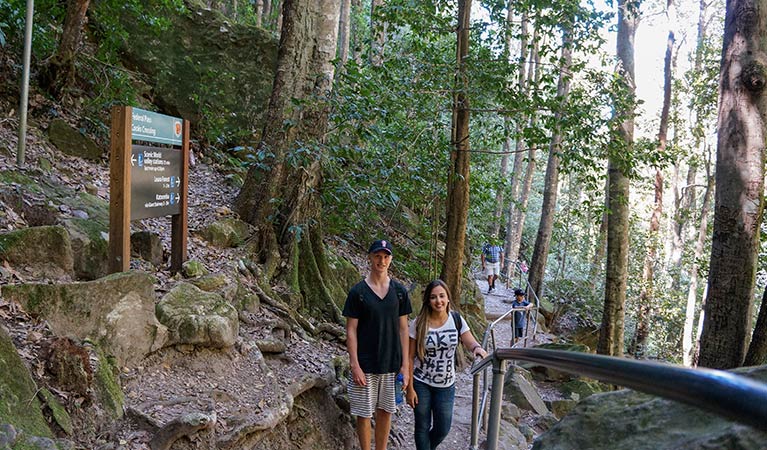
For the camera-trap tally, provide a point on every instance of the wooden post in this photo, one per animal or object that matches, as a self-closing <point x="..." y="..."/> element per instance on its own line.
<point x="119" y="189"/>
<point x="179" y="227"/>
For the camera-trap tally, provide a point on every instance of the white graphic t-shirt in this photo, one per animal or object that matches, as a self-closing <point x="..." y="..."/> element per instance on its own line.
<point x="438" y="366"/>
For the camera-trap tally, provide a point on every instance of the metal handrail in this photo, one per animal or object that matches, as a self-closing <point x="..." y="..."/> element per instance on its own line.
<point x="724" y="393"/>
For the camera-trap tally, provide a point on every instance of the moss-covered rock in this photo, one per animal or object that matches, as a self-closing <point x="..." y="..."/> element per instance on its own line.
<point x="90" y="248"/>
<point x="107" y="384"/>
<point x="197" y="317"/>
<point x="202" y="67"/>
<point x="212" y="282"/>
<point x="193" y="269"/>
<point x="42" y="251"/>
<point x="19" y="406"/>
<point x="58" y="412"/>
<point x="72" y="142"/>
<point x="227" y="232"/>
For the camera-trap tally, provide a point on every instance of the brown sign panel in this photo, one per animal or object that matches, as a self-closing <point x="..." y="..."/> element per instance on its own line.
<point x="156" y="186"/>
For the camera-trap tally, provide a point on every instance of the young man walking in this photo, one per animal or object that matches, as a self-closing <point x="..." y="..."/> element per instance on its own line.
<point x="376" y="313"/>
<point x="492" y="261"/>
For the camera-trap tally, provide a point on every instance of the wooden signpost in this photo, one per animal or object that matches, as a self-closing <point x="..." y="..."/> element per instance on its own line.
<point x="150" y="179"/>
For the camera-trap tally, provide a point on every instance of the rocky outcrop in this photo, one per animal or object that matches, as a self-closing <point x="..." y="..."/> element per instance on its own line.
<point x="147" y="246"/>
<point x="624" y="420"/>
<point x="116" y="311"/>
<point x="196" y="317"/>
<point x="89" y="242"/>
<point x="519" y="389"/>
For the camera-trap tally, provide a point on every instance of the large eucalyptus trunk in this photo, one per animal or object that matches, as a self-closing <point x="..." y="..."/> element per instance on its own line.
<point x="616" y="268"/>
<point x="458" y="178"/>
<point x="59" y="71"/>
<point x="739" y="198"/>
<point x="283" y="201"/>
<point x="551" y="184"/>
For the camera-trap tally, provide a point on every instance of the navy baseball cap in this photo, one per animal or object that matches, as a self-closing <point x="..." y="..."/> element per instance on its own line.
<point x="519" y="292"/>
<point x="382" y="245"/>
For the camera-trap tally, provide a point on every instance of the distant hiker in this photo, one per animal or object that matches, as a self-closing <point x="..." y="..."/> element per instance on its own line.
<point x="434" y="337"/>
<point x="520" y="316"/>
<point x="492" y="260"/>
<point x="376" y="313"/>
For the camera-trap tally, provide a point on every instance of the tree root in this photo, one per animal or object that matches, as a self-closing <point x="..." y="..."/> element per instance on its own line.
<point x="182" y="426"/>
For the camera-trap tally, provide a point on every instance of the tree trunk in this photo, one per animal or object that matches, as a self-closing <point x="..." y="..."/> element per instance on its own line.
<point x="519" y="147"/>
<point x="692" y="291"/>
<point x="259" y="11"/>
<point x="600" y="248"/>
<point x="757" y="351"/>
<point x="344" y="29"/>
<point x="520" y="211"/>
<point x="739" y="198"/>
<point x="378" y="31"/>
<point x="283" y="202"/>
<point x="646" y="296"/>
<point x="59" y="71"/>
<point x="611" y="330"/>
<point x="458" y="179"/>
<point x="551" y="184"/>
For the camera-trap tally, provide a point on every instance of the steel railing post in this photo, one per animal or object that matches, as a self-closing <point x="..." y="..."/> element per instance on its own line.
<point x="496" y="398"/>
<point x="475" y="412"/>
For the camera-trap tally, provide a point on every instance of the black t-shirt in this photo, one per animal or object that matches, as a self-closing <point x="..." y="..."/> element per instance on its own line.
<point x="378" y="346"/>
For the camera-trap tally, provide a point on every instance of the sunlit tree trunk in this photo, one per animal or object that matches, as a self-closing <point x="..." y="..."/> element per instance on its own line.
<point x="59" y="71"/>
<point x="551" y="183"/>
<point x="757" y="351"/>
<point x="646" y="296"/>
<point x="519" y="146"/>
<point x="378" y="31"/>
<point x="600" y="246"/>
<point x="344" y="29"/>
<point x="498" y="214"/>
<point x="616" y="268"/>
<point x="739" y="198"/>
<point x="283" y="201"/>
<point x="458" y="178"/>
<point x="259" y="12"/>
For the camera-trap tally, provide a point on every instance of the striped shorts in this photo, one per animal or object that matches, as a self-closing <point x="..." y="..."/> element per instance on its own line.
<point x="378" y="394"/>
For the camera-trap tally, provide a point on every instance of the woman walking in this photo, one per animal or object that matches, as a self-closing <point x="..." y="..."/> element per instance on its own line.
<point x="434" y="337"/>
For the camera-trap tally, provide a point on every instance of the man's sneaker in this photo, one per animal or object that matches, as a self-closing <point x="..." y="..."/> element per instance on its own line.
<point x="490" y="289"/>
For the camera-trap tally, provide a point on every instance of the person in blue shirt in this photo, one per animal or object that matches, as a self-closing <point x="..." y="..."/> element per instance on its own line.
<point x="520" y="316"/>
<point x="492" y="261"/>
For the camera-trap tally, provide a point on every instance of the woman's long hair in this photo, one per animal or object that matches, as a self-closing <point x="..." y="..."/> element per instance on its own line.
<point x="422" y="320"/>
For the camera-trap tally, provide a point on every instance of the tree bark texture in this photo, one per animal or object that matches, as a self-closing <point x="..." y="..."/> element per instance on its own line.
<point x="458" y="178"/>
<point x="551" y="182"/>
<point x="283" y="201"/>
<point x="616" y="268"/>
<point x="739" y="198"/>
<point x="59" y="72"/>
<point x="344" y="29"/>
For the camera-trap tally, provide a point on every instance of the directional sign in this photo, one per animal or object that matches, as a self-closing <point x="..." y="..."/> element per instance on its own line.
<point x="155" y="181"/>
<point x="155" y="127"/>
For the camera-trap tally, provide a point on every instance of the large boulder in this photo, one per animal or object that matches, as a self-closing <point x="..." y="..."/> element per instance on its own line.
<point x="116" y="312"/>
<point x="201" y="67"/>
<point x="39" y="251"/>
<point x="19" y="405"/>
<point x="196" y="317"/>
<point x="90" y="248"/>
<point x="624" y="420"/>
<point x="72" y="142"/>
<point x="519" y="389"/>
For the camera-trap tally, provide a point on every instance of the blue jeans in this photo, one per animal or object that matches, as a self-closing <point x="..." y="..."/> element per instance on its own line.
<point x="433" y="414"/>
